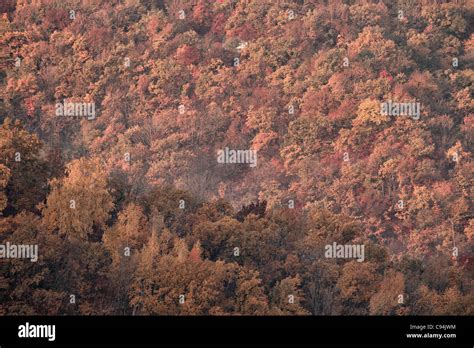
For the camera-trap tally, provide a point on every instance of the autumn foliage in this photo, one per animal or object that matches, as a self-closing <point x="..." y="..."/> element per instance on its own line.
<point x="131" y="211"/>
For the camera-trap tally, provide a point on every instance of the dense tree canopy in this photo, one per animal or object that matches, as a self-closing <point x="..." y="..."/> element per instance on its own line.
<point x="132" y="212"/>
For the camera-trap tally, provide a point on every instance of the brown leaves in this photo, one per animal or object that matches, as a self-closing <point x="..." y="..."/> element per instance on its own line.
<point x="79" y="203"/>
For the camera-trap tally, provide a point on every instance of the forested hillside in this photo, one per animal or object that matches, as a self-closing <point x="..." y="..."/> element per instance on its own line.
<point x="199" y="157"/>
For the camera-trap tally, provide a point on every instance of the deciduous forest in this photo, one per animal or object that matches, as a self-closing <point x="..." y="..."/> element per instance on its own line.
<point x="359" y="115"/>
